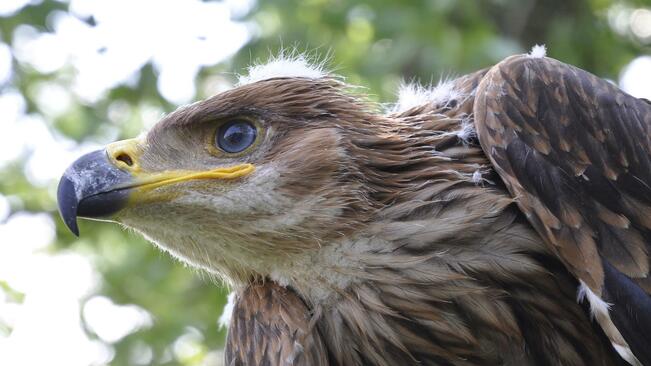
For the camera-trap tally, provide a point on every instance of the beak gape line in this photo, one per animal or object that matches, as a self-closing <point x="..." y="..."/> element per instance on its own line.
<point x="96" y="186"/>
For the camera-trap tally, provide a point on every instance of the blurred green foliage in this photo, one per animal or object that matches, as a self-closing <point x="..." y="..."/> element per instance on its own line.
<point x="375" y="44"/>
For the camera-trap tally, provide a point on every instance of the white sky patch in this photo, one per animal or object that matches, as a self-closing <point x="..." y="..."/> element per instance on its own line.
<point x="9" y="7"/>
<point x="23" y="234"/>
<point x="119" y="110"/>
<point x="178" y="87"/>
<point x="28" y="135"/>
<point x="141" y="354"/>
<point x="635" y="79"/>
<point x="48" y="319"/>
<point x="538" y="51"/>
<point x="12" y="107"/>
<point x="45" y="52"/>
<point x="239" y="8"/>
<point x="48" y="332"/>
<point x="49" y="153"/>
<point x="178" y="38"/>
<point x="5" y="208"/>
<point x="641" y="24"/>
<point x="188" y="346"/>
<point x="150" y="115"/>
<point x="52" y="99"/>
<point x="53" y="284"/>
<point x="5" y="63"/>
<point x="619" y="18"/>
<point x="112" y="322"/>
<point x="285" y="65"/>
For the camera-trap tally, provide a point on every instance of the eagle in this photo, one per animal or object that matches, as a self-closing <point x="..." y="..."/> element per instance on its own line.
<point x="498" y="218"/>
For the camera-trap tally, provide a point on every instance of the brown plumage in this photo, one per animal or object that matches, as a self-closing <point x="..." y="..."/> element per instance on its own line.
<point x="576" y="152"/>
<point x="279" y="324"/>
<point x="407" y="238"/>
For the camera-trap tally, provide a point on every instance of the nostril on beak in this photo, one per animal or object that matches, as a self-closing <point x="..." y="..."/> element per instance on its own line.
<point x="125" y="154"/>
<point x="125" y="158"/>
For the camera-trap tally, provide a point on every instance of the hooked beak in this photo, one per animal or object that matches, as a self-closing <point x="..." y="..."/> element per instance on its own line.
<point x="87" y="189"/>
<point x="103" y="182"/>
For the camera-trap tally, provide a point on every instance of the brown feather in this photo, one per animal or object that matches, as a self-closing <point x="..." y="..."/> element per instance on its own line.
<point x="586" y="183"/>
<point x="271" y="326"/>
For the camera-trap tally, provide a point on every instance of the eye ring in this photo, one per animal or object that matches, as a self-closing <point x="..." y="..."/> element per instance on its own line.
<point x="234" y="137"/>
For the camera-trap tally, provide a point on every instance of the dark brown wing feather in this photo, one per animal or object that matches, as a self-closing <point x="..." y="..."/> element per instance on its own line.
<point x="576" y="153"/>
<point x="271" y="326"/>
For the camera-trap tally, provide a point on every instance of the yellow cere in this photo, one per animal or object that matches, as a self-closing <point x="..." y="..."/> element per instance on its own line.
<point x="126" y="154"/>
<point x="130" y="148"/>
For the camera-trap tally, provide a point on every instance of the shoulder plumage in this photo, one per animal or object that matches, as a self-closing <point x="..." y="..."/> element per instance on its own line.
<point x="575" y="151"/>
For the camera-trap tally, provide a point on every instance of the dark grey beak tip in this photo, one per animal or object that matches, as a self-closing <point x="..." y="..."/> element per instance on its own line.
<point x="67" y="200"/>
<point x="90" y="188"/>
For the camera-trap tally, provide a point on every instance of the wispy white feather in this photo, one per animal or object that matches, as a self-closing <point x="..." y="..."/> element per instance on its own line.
<point x="597" y="305"/>
<point x="538" y="51"/>
<point x="411" y="95"/>
<point x="225" y="318"/>
<point x="287" y="64"/>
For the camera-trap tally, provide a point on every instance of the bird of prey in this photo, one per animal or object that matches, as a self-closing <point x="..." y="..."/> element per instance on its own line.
<point x="500" y="218"/>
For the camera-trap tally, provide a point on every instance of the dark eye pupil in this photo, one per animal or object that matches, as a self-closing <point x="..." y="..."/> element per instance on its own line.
<point x="236" y="136"/>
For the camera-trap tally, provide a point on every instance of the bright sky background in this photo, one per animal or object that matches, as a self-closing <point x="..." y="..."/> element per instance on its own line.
<point x="46" y="327"/>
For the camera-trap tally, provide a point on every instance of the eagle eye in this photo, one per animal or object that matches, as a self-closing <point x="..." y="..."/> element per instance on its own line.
<point x="235" y="136"/>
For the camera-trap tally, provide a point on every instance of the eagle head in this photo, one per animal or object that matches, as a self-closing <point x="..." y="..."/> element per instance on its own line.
<point x="237" y="184"/>
<point x="260" y="181"/>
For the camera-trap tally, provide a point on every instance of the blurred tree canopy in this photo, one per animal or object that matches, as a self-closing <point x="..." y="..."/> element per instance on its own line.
<point x="375" y="44"/>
